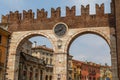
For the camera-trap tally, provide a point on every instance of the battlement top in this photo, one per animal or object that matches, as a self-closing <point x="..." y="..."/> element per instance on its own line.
<point x="20" y="21"/>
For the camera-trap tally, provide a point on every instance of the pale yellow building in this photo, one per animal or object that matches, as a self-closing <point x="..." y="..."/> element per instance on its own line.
<point x="36" y="62"/>
<point x="105" y="73"/>
<point x="46" y="54"/>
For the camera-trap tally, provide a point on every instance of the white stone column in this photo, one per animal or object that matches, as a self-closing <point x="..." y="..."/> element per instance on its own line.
<point x="60" y="66"/>
<point x="114" y="58"/>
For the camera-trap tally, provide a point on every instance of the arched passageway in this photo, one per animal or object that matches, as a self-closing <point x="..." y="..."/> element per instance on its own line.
<point x="91" y="47"/>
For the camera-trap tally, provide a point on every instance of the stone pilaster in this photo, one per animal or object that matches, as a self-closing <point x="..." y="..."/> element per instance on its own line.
<point x="13" y="68"/>
<point x="60" y="66"/>
<point x="114" y="58"/>
<point x="117" y="15"/>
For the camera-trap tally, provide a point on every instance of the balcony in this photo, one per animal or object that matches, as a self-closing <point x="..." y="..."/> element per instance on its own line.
<point x="49" y="65"/>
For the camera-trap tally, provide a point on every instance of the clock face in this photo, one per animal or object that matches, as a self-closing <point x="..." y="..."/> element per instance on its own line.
<point x="60" y="29"/>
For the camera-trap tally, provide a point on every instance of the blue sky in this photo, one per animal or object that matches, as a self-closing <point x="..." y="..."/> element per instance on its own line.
<point x="86" y="52"/>
<point x="92" y="48"/>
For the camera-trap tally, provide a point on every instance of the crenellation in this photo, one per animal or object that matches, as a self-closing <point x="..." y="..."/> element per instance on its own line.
<point x="14" y="17"/>
<point x="85" y="10"/>
<point x="26" y="19"/>
<point x="41" y="14"/>
<point x="70" y="12"/>
<point x="56" y="13"/>
<point x="97" y="9"/>
<point x="28" y="15"/>
<point x="4" y="19"/>
<point x="17" y="16"/>
<point x="82" y="10"/>
<point x="112" y="7"/>
<point x="100" y="10"/>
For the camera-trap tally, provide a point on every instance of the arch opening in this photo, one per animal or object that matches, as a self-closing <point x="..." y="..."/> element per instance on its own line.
<point x="90" y="55"/>
<point x="100" y="34"/>
<point x="88" y="44"/>
<point x="35" y="38"/>
<point x="36" y="51"/>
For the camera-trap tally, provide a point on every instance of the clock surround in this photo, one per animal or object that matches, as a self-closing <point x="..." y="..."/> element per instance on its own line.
<point x="60" y="29"/>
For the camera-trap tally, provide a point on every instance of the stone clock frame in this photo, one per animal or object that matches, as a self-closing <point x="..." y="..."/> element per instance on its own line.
<point x="59" y="23"/>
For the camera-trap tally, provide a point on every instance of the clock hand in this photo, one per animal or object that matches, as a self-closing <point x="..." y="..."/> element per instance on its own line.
<point x="59" y="29"/>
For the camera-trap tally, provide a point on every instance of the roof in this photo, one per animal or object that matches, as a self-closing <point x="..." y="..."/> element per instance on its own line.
<point x="31" y="58"/>
<point x="43" y="48"/>
<point x="3" y="30"/>
<point x="77" y="62"/>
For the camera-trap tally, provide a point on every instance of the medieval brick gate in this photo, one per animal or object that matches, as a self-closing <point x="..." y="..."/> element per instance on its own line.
<point x="24" y="26"/>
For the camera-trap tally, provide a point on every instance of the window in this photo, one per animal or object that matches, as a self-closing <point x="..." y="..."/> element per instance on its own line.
<point x="46" y="77"/>
<point x="50" y="61"/>
<point x="46" y="60"/>
<point x="47" y="70"/>
<point x="47" y="54"/>
<point x="41" y="74"/>
<point x="31" y="73"/>
<point x="50" y="78"/>
<point x="0" y="39"/>
<point x="51" y="70"/>
<point x="0" y="54"/>
<point x="51" y="54"/>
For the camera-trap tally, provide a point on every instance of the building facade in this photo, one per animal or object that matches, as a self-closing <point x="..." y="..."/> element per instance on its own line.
<point x="105" y="73"/>
<point x="90" y="71"/>
<point x="70" y="67"/>
<point x="4" y="40"/>
<point x="31" y="68"/>
<point x="46" y="54"/>
<point x="36" y="62"/>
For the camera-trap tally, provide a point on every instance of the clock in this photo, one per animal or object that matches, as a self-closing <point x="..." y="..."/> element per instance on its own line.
<point x="60" y="29"/>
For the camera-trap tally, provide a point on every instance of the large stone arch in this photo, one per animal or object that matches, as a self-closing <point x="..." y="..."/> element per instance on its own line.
<point x="32" y="34"/>
<point x="107" y="36"/>
<point x="17" y="40"/>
